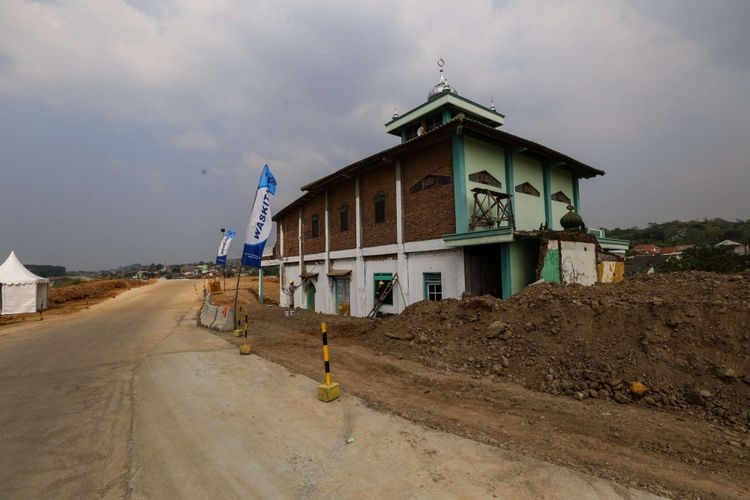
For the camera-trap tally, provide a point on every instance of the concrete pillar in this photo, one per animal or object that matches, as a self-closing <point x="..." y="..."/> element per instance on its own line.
<point x="359" y="300"/>
<point x="326" y="284"/>
<point x="300" y="293"/>
<point x="260" y="285"/>
<point x="282" y="272"/>
<point x="402" y="262"/>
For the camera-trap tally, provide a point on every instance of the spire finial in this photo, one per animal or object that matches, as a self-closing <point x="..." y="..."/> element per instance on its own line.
<point x="492" y="104"/>
<point x="395" y="113"/>
<point x="443" y="85"/>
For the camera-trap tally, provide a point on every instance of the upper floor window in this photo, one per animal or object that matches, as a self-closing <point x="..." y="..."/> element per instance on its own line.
<point x="315" y="227"/>
<point x="527" y="188"/>
<point x="429" y="181"/>
<point x="560" y="196"/>
<point x="344" y="218"/>
<point x="410" y="133"/>
<point x="485" y="177"/>
<point x="379" y="202"/>
<point x="432" y="122"/>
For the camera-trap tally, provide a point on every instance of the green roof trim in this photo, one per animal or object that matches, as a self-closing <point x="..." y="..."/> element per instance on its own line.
<point x="612" y="241"/>
<point x="445" y="100"/>
<point x="499" y="235"/>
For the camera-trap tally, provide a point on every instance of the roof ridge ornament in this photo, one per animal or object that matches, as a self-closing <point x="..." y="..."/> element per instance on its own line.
<point x="492" y="104"/>
<point x="443" y="85"/>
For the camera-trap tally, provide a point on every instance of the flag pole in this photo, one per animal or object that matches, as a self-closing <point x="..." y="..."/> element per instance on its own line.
<point x="242" y="257"/>
<point x="225" y="263"/>
<point x="237" y="288"/>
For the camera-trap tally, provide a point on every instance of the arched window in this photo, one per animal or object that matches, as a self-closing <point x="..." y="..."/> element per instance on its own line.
<point x="560" y="196"/>
<point x="315" y="227"/>
<point x="430" y="181"/>
<point x="527" y="188"/>
<point x="485" y="177"/>
<point x="344" y="218"/>
<point x="379" y="202"/>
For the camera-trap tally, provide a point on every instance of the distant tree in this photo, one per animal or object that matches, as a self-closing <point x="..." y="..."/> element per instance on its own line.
<point x="46" y="271"/>
<point x="717" y="260"/>
<point x="695" y="232"/>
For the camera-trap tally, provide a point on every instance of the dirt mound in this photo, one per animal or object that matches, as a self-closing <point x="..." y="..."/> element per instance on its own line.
<point x="678" y="342"/>
<point x="90" y="290"/>
<point x="248" y="293"/>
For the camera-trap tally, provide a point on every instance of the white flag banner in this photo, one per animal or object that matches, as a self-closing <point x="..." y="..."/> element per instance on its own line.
<point x="259" y="226"/>
<point x="226" y="241"/>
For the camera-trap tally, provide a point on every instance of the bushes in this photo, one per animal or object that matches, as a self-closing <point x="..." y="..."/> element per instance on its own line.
<point x="717" y="260"/>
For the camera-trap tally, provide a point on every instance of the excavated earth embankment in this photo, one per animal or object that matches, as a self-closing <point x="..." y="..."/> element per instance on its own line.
<point x="676" y="342"/>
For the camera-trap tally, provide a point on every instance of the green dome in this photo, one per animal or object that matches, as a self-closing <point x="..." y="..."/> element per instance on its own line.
<point x="571" y="221"/>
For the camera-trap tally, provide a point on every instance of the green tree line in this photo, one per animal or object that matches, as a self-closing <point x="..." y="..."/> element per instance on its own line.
<point x="706" y="232"/>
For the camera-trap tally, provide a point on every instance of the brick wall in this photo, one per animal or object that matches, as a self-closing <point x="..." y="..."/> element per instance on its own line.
<point x="318" y="243"/>
<point x="430" y="213"/>
<point x="341" y="194"/>
<point x="291" y="244"/>
<point x="378" y="179"/>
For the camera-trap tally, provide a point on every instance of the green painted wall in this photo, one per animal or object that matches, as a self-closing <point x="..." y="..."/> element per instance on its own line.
<point x="551" y="267"/>
<point x="523" y="261"/>
<point x="529" y="209"/>
<point x="459" y="183"/>
<point x="560" y="180"/>
<point x="479" y="156"/>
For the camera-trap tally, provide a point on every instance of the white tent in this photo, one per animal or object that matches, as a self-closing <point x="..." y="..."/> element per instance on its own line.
<point x="21" y="291"/>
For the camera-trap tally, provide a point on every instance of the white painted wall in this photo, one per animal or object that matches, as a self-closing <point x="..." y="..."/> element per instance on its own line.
<point x="447" y="262"/>
<point x="578" y="262"/>
<point x="450" y="265"/>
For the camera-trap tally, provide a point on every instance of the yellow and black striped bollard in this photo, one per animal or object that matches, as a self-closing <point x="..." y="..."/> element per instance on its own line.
<point x="238" y="314"/>
<point x="329" y="390"/>
<point x="245" y="348"/>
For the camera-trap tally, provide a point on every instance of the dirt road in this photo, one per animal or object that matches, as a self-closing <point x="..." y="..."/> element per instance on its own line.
<point x="130" y="399"/>
<point x="669" y="453"/>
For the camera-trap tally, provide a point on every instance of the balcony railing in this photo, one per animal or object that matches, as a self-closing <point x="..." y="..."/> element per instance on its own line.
<point x="492" y="210"/>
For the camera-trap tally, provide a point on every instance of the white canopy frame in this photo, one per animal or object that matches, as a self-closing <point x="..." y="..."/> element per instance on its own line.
<point x="21" y="291"/>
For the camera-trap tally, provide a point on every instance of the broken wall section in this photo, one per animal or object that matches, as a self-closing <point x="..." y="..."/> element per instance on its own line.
<point x="576" y="258"/>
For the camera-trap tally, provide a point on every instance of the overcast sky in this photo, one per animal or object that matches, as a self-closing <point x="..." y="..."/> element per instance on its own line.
<point x="111" y="111"/>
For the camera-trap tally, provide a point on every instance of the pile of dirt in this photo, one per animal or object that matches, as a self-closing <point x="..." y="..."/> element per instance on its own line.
<point x="248" y="293"/>
<point x="88" y="290"/>
<point x="677" y="342"/>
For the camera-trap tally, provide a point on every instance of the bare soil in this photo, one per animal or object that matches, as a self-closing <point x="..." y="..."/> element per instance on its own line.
<point x="72" y="298"/>
<point x="552" y="373"/>
<point x="248" y="293"/>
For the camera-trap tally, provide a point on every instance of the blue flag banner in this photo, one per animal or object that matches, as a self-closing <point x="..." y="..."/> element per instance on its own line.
<point x="221" y="257"/>
<point x="259" y="226"/>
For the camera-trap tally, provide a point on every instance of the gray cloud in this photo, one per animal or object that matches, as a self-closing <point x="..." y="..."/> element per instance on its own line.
<point x="113" y="109"/>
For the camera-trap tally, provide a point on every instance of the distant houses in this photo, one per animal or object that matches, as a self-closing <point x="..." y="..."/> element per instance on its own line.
<point x="734" y="247"/>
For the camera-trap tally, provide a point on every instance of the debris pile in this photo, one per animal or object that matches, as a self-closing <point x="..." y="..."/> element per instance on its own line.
<point x="678" y="341"/>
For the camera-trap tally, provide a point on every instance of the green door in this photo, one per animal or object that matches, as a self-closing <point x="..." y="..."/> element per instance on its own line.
<point x="310" y="297"/>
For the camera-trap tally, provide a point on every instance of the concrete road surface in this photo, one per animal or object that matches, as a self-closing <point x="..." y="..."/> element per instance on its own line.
<point x="130" y="399"/>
